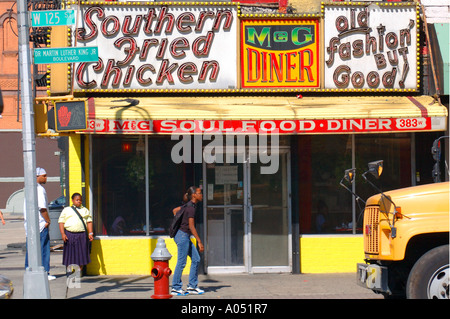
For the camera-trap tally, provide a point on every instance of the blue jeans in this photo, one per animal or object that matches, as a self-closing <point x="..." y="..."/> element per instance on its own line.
<point x="45" y="250"/>
<point x="185" y="248"/>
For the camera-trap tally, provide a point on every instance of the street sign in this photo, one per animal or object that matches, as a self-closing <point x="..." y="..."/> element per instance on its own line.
<point x="65" y="55"/>
<point x="50" y="18"/>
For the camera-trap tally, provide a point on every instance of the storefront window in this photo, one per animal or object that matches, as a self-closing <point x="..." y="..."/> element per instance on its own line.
<point x="167" y="182"/>
<point x="330" y="209"/>
<point x="119" y="185"/>
<point x="331" y="205"/>
<point x="394" y="150"/>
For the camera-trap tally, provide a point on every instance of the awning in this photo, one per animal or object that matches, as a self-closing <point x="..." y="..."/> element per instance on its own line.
<point x="284" y="115"/>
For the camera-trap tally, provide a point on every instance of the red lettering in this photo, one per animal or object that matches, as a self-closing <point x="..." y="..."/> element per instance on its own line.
<point x="177" y="46"/>
<point x="140" y="74"/>
<point x="185" y="71"/>
<point x="163" y="15"/>
<point x="165" y="72"/>
<point x="214" y="66"/>
<point x="111" y="69"/>
<point x="121" y="125"/>
<point x="130" y="51"/>
<point x="116" y="26"/>
<point x="126" y="25"/>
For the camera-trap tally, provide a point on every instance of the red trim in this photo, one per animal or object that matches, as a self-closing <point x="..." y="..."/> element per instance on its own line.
<point x="91" y="108"/>
<point x="421" y="107"/>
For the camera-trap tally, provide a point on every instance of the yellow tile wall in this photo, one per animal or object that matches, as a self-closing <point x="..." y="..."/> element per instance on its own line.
<point x="128" y="256"/>
<point x="330" y="254"/>
<point x="131" y="256"/>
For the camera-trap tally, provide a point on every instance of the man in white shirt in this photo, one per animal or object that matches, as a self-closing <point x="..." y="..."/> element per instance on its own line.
<point x="44" y="221"/>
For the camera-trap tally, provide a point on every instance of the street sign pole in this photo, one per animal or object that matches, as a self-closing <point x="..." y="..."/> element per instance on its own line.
<point x="35" y="280"/>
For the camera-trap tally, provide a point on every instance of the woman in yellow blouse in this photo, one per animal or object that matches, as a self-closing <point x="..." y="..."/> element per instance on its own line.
<point x="76" y="234"/>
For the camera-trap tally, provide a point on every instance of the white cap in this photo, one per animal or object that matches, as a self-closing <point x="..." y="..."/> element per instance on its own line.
<point x="40" y="171"/>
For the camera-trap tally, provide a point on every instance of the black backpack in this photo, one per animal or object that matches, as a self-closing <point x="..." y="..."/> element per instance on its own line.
<point x="176" y="222"/>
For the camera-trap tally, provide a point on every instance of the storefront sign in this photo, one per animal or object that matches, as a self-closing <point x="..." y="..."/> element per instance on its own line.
<point x="280" y="53"/>
<point x="149" y="46"/>
<point x="323" y="126"/>
<point x="371" y="47"/>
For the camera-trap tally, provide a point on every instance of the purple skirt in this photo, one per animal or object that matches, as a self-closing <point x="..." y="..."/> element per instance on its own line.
<point x="76" y="250"/>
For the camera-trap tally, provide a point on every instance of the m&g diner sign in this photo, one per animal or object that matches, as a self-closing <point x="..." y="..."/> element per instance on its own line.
<point x="280" y="53"/>
<point x="371" y="47"/>
<point x="156" y="47"/>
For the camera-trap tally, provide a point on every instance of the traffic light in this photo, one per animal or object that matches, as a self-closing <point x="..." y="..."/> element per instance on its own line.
<point x="436" y="153"/>
<point x="436" y="149"/>
<point x="70" y="115"/>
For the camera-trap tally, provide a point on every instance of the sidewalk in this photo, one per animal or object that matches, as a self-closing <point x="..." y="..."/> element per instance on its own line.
<point x="217" y="287"/>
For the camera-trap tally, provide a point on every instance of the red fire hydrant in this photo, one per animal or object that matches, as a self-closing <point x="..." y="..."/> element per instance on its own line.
<point x="161" y="271"/>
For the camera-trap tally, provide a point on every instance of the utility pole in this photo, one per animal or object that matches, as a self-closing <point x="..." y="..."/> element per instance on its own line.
<point x="35" y="280"/>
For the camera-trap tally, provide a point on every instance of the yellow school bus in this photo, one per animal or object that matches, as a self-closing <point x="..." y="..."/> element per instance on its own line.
<point x="406" y="241"/>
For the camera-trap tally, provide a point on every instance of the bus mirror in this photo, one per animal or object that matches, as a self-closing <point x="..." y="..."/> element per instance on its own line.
<point x="385" y="204"/>
<point x="349" y="175"/>
<point x="376" y="168"/>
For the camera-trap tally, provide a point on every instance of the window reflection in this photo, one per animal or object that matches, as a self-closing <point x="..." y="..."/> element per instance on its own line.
<point x="119" y="185"/>
<point x="119" y="189"/>
<point x="331" y="204"/>
<point x="330" y="209"/>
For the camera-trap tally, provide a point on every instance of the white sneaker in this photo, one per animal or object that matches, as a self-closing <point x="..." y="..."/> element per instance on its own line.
<point x="180" y="292"/>
<point x="194" y="291"/>
<point x="50" y="277"/>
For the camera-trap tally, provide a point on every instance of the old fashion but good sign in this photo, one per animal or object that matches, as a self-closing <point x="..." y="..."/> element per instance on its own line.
<point x="371" y="47"/>
<point x="157" y="47"/>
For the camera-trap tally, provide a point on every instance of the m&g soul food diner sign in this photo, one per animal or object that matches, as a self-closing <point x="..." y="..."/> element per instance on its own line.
<point x="280" y="53"/>
<point x="371" y="47"/>
<point x="154" y="46"/>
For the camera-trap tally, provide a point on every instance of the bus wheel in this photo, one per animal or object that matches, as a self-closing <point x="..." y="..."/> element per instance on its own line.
<point x="429" y="278"/>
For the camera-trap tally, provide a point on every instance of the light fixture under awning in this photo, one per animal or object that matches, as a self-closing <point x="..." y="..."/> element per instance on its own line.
<point x="284" y="115"/>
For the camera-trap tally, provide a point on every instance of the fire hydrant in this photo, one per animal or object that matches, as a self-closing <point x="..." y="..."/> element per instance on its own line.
<point x="161" y="271"/>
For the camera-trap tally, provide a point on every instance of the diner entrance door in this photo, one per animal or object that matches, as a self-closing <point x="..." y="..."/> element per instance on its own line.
<point x="247" y="214"/>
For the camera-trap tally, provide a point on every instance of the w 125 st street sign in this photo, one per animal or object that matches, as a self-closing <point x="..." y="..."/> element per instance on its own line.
<point x="65" y="55"/>
<point x="50" y="18"/>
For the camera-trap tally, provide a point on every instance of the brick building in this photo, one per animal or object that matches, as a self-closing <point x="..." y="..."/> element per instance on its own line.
<point x="11" y="161"/>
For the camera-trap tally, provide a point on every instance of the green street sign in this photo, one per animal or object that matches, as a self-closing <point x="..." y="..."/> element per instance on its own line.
<point x="65" y="55"/>
<point x="50" y="18"/>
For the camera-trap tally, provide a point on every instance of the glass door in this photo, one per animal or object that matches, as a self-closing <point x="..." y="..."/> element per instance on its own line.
<point x="225" y="227"/>
<point x="270" y="222"/>
<point x="247" y="215"/>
